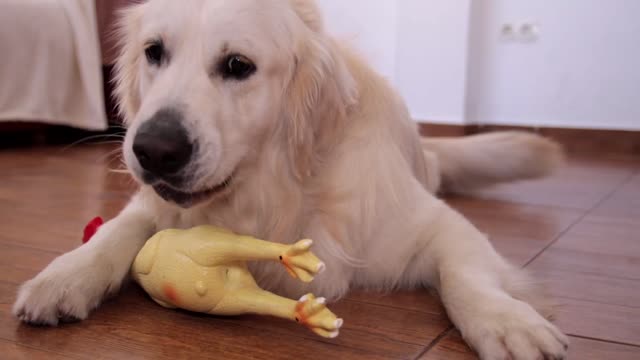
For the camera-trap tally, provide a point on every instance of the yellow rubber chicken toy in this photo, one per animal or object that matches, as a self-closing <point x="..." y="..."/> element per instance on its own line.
<point x="204" y="270"/>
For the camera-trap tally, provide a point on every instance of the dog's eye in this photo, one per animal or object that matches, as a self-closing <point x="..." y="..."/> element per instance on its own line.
<point x="237" y="67"/>
<point x="155" y="53"/>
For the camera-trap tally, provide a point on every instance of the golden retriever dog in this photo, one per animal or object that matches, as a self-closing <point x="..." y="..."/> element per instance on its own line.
<point x="247" y="115"/>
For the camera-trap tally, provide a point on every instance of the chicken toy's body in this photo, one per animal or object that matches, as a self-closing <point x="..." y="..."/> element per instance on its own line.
<point x="204" y="270"/>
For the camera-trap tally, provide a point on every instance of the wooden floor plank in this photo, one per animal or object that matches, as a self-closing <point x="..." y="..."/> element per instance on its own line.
<point x="66" y="218"/>
<point x="593" y="271"/>
<point x="586" y="284"/>
<point x="132" y="326"/>
<point x="581" y="185"/>
<point x="420" y="300"/>
<point x="605" y="246"/>
<point x="519" y="232"/>
<point x="453" y="348"/>
<point x="392" y="323"/>
<point x="394" y="329"/>
<point x="12" y="351"/>
<point x="599" y="321"/>
<point x="624" y="204"/>
<point x="584" y="349"/>
<point x="19" y="264"/>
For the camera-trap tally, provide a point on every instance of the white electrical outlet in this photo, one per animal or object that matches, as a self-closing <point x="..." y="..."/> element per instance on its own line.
<point x="508" y="32"/>
<point x="524" y="32"/>
<point x="528" y="32"/>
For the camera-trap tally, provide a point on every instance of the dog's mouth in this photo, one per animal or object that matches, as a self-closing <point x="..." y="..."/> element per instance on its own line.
<point x="189" y="199"/>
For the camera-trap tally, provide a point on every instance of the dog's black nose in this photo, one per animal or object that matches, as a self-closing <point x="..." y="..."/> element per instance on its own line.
<point x="162" y="144"/>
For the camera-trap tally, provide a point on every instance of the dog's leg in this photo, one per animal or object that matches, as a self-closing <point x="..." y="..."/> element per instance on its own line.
<point x="482" y="292"/>
<point x="76" y="282"/>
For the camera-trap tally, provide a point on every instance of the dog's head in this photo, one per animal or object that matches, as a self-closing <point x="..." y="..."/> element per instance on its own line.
<point x="203" y="85"/>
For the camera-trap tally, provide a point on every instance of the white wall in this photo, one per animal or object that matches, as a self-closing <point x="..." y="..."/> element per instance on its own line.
<point x="431" y="58"/>
<point x="584" y="71"/>
<point x="370" y="25"/>
<point x="447" y="59"/>
<point x="419" y="45"/>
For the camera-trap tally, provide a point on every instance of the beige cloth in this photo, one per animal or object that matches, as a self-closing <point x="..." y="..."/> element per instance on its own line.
<point x="50" y="63"/>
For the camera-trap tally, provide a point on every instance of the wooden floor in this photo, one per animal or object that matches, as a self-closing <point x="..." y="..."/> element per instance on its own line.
<point x="579" y="231"/>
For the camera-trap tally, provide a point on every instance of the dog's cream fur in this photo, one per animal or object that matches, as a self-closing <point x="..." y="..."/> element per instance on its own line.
<point x="321" y="147"/>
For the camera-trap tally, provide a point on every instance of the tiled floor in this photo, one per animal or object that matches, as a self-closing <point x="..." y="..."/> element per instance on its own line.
<point x="579" y="231"/>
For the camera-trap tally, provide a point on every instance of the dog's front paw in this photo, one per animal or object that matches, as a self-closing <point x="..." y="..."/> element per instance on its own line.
<point x="67" y="290"/>
<point x="515" y="331"/>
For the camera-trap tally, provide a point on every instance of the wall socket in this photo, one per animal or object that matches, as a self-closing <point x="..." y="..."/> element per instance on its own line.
<point x="525" y="32"/>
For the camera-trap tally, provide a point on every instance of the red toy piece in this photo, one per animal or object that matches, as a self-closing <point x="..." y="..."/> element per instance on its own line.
<point x="91" y="229"/>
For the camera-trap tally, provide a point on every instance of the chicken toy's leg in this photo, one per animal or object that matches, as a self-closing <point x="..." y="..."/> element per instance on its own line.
<point x="216" y="244"/>
<point x="309" y="311"/>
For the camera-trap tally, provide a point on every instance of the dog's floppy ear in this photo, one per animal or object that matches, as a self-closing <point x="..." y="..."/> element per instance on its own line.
<point x="127" y="66"/>
<point x="320" y="92"/>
